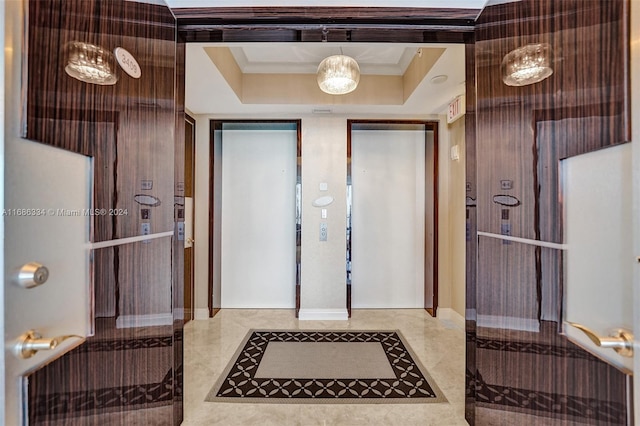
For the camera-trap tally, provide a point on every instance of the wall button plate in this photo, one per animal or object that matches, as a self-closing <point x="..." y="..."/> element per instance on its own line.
<point x="323" y="231"/>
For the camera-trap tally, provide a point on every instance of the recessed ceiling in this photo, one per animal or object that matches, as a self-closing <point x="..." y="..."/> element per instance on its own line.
<point x="251" y="78"/>
<point x="259" y="78"/>
<point x="296" y="58"/>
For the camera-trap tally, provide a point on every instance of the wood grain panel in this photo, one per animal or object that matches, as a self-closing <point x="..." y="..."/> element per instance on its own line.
<point x="302" y="15"/>
<point x="178" y="252"/>
<point x="471" y="248"/>
<point x="346" y="24"/>
<point x="521" y="135"/>
<point x="135" y="362"/>
<point x="67" y="113"/>
<point x="129" y="130"/>
<point x="590" y="46"/>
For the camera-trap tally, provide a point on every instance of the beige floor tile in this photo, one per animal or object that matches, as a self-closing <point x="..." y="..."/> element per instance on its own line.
<point x="209" y="345"/>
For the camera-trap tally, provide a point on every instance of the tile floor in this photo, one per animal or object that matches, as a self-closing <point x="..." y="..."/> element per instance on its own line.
<point x="209" y="346"/>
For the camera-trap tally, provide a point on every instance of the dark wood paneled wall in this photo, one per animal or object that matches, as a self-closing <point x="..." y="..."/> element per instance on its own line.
<point x="130" y="131"/>
<point x="344" y="24"/>
<point x="70" y="114"/>
<point x="181" y="189"/>
<point x="471" y="222"/>
<point x="516" y="359"/>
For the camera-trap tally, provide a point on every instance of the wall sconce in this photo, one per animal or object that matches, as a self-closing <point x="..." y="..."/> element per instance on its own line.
<point x="527" y="65"/>
<point x="90" y="63"/>
<point x="338" y="75"/>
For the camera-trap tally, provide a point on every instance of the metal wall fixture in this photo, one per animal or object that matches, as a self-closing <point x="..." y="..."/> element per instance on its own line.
<point x="90" y="63"/>
<point x="527" y="65"/>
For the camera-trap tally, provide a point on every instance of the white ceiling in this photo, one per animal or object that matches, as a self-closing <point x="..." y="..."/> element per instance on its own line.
<point x="296" y="58"/>
<point x="207" y="92"/>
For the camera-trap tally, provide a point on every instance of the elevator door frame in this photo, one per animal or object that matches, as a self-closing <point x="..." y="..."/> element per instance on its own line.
<point x="430" y="291"/>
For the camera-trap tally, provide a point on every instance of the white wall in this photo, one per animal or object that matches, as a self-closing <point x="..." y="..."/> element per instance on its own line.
<point x="323" y="292"/>
<point x="324" y="160"/>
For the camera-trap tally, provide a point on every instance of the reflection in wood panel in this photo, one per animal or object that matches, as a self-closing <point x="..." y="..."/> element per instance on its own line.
<point x="129" y="362"/>
<point x="71" y="114"/>
<point x="178" y="252"/>
<point x="131" y="370"/>
<point x="522" y="133"/>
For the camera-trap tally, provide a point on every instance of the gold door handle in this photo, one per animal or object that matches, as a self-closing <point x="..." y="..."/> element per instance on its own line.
<point x="190" y="241"/>
<point x="619" y="340"/>
<point x="31" y="342"/>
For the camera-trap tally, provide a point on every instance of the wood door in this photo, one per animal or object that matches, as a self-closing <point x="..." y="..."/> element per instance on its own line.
<point x="128" y="369"/>
<point x="522" y="369"/>
<point x="189" y="240"/>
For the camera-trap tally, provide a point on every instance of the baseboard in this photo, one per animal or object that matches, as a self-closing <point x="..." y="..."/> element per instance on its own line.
<point x="449" y="314"/>
<point x="201" y="314"/>
<point x="508" y="323"/>
<point x="147" y="320"/>
<point x="323" y="315"/>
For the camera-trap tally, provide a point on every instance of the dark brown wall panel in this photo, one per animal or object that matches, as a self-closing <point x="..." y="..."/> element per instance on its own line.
<point x="178" y="255"/>
<point x="345" y="24"/>
<point x="517" y="360"/>
<point x="130" y="371"/>
<point x="119" y="369"/>
<point x="67" y="113"/>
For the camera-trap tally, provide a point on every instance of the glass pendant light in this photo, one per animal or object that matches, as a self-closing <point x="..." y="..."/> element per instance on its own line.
<point x="338" y="75"/>
<point x="90" y="63"/>
<point x="527" y="65"/>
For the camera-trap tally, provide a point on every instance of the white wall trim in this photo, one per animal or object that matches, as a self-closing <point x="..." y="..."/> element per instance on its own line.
<point x="146" y="320"/>
<point x="201" y="314"/>
<point x="323" y="315"/>
<point x="508" y="323"/>
<point x="449" y="314"/>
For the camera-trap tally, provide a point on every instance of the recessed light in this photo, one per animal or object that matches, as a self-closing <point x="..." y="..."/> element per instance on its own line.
<point x="439" y="79"/>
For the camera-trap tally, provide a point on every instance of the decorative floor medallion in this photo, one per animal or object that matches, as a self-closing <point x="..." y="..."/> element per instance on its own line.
<point x="401" y="380"/>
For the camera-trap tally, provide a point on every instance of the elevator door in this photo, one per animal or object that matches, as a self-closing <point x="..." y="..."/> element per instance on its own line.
<point x="258" y="248"/>
<point x="388" y="217"/>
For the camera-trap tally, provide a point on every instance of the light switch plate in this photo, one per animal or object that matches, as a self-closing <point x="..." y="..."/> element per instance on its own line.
<point x="323" y="213"/>
<point x="324" y="186"/>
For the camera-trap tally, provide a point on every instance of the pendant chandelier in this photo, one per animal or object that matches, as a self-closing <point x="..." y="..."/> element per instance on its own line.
<point x="527" y="65"/>
<point x="338" y="75"/>
<point x="90" y="63"/>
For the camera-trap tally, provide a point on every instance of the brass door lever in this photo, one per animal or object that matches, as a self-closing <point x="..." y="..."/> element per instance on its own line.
<point x="31" y="342"/>
<point x="620" y="340"/>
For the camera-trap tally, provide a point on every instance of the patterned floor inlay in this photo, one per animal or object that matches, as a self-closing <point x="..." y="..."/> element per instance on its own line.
<point x="560" y="406"/>
<point x="72" y="404"/>
<point x="239" y="383"/>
